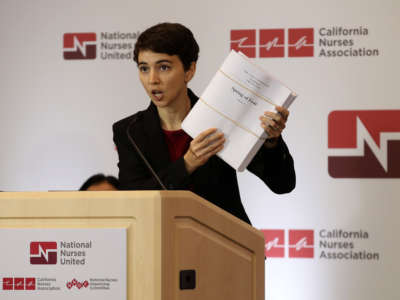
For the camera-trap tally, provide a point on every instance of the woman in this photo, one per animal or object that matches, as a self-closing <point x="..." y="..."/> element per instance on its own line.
<point x="166" y="56"/>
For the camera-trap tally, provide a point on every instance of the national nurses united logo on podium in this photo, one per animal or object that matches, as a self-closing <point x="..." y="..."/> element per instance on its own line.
<point x="80" y="45"/>
<point x="43" y="253"/>
<point x="364" y="144"/>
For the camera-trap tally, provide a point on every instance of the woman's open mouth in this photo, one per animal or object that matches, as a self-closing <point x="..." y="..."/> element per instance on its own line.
<point x="158" y="94"/>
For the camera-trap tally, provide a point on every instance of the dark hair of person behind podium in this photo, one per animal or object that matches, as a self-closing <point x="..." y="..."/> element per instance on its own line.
<point x="100" y="182"/>
<point x="169" y="38"/>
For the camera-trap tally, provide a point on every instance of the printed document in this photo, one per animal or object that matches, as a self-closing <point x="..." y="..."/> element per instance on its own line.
<point x="236" y="97"/>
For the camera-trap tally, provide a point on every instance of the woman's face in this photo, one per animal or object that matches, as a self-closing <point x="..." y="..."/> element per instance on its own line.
<point x="163" y="77"/>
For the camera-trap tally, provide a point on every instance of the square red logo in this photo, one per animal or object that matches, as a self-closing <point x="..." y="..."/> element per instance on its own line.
<point x="244" y="41"/>
<point x="80" y="45"/>
<point x="364" y="144"/>
<point x="30" y="283"/>
<point x="301" y="42"/>
<point x="274" y="242"/>
<point x="8" y="284"/>
<point x="43" y="253"/>
<point x="301" y="243"/>
<point x="19" y="283"/>
<point x="272" y="43"/>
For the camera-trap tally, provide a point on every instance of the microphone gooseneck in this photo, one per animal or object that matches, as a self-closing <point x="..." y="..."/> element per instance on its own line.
<point x="143" y="157"/>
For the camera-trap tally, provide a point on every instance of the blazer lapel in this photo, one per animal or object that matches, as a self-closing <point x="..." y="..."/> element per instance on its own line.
<point x="150" y="137"/>
<point x="156" y="148"/>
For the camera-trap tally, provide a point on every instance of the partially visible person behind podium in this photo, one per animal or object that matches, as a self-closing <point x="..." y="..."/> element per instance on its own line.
<point x="100" y="182"/>
<point x="155" y="153"/>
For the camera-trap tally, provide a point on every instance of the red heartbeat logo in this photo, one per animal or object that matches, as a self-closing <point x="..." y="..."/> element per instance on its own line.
<point x="80" y="45"/>
<point x="364" y="144"/>
<point x="43" y="253"/>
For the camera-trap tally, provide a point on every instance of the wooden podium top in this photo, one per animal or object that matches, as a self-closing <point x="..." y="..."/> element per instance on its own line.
<point x="167" y="232"/>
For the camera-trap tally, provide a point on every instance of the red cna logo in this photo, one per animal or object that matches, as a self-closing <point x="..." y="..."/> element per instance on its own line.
<point x="8" y="283"/>
<point x="43" y="253"/>
<point x="19" y="283"/>
<point x="272" y="43"/>
<point x="301" y="42"/>
<point x="77" y="284"/>
<point x="80" y="45"/>
<point x="244" y="41"/>
<point x="301" y="243"/>
<point x="364" y="144"/>
<point x="274" y="242"/>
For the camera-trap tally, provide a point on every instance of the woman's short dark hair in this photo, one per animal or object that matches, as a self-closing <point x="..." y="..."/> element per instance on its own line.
<point x="99" y="178"/>
<point x="169" y="38"/>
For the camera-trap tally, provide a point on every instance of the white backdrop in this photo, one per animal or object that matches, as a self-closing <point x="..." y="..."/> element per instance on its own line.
<point x="56" y="117"/>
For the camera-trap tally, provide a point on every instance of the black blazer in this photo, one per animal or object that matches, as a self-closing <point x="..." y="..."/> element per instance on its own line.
<point x="215" y="181"/>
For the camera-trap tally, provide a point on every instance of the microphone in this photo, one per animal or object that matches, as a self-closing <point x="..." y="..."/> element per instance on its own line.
<point x="142" y="156"/>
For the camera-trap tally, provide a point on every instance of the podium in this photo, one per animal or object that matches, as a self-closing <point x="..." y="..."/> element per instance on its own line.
<point x="178" y="245"/>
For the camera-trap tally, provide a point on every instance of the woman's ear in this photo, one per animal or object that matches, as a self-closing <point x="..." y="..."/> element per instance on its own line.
<point x="190" y="73"/>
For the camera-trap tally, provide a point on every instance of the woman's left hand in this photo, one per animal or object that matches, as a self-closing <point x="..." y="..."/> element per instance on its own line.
<point x="274" y="122"/>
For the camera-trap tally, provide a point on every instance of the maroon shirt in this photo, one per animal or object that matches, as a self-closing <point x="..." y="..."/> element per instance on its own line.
<point x="178" y="143"/>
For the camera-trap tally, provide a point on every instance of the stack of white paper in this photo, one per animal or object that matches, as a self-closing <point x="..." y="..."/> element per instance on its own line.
<point x="233" y="101"/>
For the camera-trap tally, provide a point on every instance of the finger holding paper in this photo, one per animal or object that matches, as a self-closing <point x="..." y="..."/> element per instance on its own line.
<point x="205" y="145"/>
<point x="274" y="123"/>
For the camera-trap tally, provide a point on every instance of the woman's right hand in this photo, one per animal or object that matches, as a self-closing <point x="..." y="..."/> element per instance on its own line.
<point x="205" y="145"/>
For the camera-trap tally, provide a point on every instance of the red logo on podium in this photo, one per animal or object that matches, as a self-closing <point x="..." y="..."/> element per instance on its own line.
<point x="19" y="283"/>
<point x="8" y="283"/>
<point x="30" y="283"/>
<point x="77" y="284"/>
<point x="43" y="253"/>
